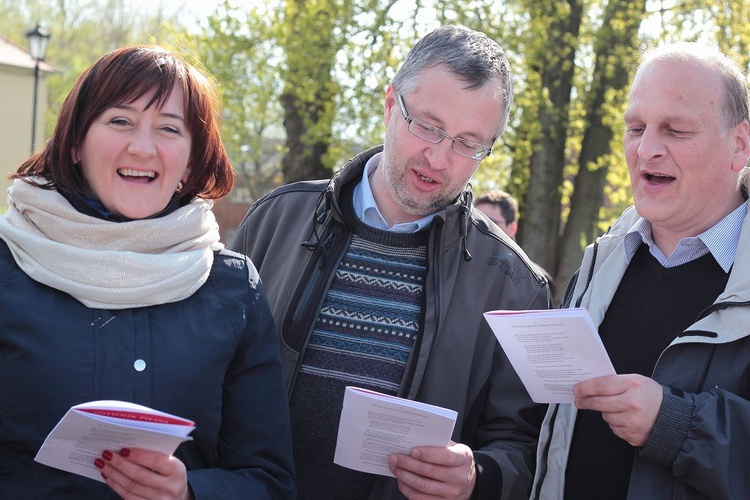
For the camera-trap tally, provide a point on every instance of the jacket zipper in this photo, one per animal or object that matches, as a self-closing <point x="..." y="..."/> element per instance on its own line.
<point x="548" y="443"/>
<point x="545" y="453"/>
<point x="302" y="305"/>
<point x="721" y="305"/>
<point x="433" y="250"/>
<point x="590" y="274"/>
<point x="308" y="306"/>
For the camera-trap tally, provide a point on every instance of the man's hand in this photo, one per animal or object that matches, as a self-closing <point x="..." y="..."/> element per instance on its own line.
<point x="628" y="403"/>
<point x="142" y="474"/>
<point x="435" y="472"/>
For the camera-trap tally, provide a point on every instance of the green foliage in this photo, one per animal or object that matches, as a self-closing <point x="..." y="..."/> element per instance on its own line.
<point x="336" y="57"/>
<point x="617" y="192"/>
<point x="236" y="47"/>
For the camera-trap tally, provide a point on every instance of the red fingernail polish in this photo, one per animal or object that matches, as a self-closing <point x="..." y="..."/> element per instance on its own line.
<point x="107" y="455"/>
<point x="125" y="452"/>
<point x="99" y="463"/>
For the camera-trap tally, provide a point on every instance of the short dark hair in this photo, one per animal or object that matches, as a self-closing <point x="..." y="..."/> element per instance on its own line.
<point x="504" y="201"/>
<point x="471" y="55"/>
<point x="121" y="77"/>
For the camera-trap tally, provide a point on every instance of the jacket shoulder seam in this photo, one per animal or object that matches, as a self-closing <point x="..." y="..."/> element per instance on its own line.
<point x="297" y="187"/>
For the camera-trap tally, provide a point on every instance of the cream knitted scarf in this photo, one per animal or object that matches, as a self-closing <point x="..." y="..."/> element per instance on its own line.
<point x="104" y="264"/>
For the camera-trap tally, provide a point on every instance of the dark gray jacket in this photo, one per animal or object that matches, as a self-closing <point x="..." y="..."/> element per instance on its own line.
<point x="296" y="237"/>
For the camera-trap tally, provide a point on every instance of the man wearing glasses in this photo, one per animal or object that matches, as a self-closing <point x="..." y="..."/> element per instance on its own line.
<point x="378" y="278"/>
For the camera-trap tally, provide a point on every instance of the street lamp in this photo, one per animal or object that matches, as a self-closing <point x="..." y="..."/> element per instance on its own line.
<point x="38" y="39"/>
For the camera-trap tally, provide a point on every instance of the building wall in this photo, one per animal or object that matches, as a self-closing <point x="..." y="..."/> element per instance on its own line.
<point x="229" y="215"/>
<point x="16" y="103"/>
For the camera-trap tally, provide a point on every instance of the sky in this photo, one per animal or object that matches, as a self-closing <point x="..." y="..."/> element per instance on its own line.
<point x="190" y="10"/>
<point x="196" y="8"/>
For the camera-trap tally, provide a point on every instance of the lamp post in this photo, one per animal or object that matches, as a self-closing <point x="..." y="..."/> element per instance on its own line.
<point x="38" y="39"/>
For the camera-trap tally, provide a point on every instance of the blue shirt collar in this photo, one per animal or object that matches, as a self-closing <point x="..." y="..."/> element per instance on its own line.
<point x="367" y="209"/>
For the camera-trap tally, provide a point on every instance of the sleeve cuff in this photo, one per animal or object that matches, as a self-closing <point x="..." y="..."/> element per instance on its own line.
<point x="489" y="477"/>
<point x="671" y="427"/>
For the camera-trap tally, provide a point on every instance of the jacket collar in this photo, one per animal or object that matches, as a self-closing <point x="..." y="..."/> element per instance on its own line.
<point x="454" y="217"/>
<point x="725" y="321"/>
<point x="729" y="317"/>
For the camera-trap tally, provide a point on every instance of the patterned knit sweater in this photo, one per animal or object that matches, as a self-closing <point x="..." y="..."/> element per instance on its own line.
<point x="363" y="336"/>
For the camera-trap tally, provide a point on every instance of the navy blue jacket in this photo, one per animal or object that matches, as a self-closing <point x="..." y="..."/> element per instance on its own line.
<point x="212" y="358"/>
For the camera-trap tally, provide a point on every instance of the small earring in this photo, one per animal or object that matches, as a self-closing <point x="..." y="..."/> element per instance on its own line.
<point x="179" y="187"/>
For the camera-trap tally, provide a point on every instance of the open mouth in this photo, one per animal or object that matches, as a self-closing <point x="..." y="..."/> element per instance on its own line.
<point x="137" y="175"/>
<point x="658" y="178"/>
<point x="425" y="179"/>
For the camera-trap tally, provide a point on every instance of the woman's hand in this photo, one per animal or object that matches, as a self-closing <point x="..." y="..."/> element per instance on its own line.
<point x="142" y="474"/>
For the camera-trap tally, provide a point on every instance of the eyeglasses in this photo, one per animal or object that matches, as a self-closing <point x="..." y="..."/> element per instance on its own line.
<point x="431" y="133"/>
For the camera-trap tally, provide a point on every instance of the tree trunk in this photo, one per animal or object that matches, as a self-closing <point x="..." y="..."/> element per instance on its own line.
<point x="308" y="89"/>
<point x="540" y="207"/>
<point x="615" y="51"/>
<point x="304" y="157"/>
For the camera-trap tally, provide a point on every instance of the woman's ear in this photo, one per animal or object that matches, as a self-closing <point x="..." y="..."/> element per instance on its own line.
<point x="74" y="156"/>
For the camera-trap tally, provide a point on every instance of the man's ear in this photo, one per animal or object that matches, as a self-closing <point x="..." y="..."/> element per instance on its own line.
<point x="512" y="228"/>
<point x="390" y="105"/>
<point x="742" y="146"/>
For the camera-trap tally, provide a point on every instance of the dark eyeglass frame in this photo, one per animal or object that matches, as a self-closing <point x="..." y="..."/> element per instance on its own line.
<point x="422" y="127"/>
